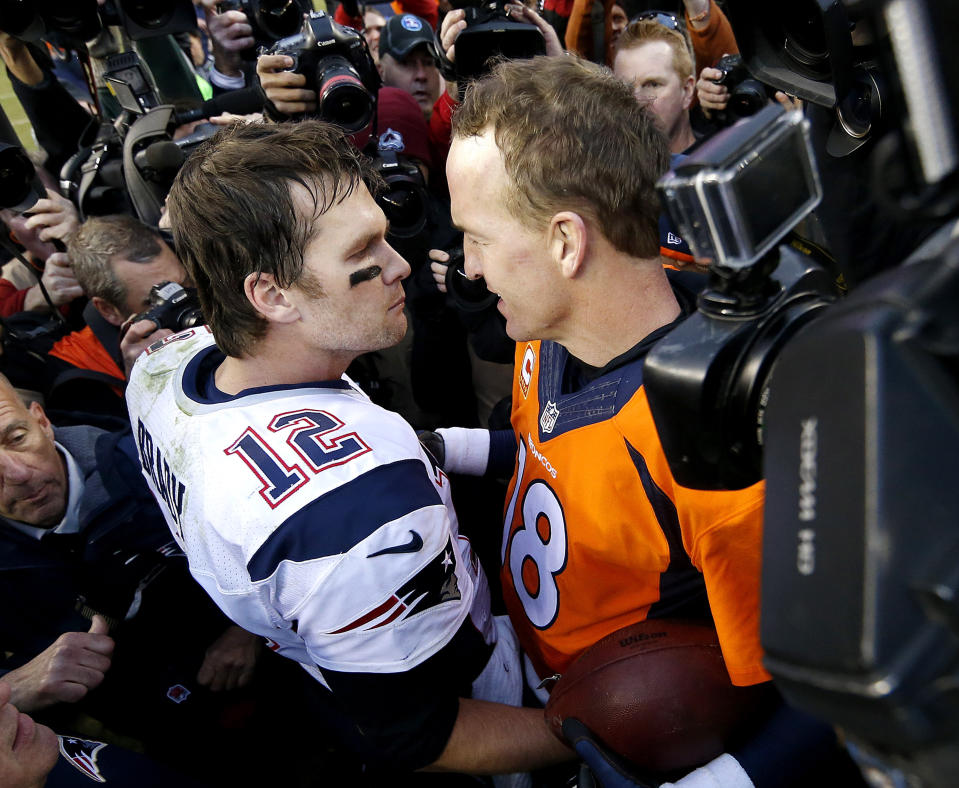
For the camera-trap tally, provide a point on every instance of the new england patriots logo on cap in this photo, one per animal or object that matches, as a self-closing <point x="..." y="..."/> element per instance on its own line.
<point x="391" y="140"/>
<point x="82" y="753"/>
<point x="411" y="23"/>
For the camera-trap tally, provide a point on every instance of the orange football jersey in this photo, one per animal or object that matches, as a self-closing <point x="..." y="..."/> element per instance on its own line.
<point x="597" y="533"/>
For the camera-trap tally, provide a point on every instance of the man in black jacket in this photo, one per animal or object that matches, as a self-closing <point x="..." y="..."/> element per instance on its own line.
<point x="101" y="615"/>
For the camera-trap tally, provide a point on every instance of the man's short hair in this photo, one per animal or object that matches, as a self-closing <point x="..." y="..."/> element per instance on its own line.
<point x="572" y="137"/>
<point x="642" y="31"/>
<point x="101" y="239"/>
<point x="233" y="214"/>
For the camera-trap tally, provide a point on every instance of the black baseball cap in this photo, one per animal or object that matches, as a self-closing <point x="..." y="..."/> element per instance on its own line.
<point x="403" y="33"/>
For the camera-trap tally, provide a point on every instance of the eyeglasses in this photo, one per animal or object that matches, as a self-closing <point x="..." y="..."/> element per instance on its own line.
<point x="665" y="19"/>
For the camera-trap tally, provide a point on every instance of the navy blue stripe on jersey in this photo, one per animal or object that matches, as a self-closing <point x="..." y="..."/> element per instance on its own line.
<point x="342" y="518"/>
<point x="199" y="383"/>
<point x="682" y="588"/>
<point x="596" y="401"/>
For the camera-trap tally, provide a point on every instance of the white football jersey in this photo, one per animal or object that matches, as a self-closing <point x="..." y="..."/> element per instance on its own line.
<point x="309" y="514"/>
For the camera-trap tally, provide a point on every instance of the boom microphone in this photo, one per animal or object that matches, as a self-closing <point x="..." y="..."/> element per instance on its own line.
<point x="236" y="102"/>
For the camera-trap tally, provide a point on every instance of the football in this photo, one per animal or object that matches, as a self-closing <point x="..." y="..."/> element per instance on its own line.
<point x="657" y="693"/>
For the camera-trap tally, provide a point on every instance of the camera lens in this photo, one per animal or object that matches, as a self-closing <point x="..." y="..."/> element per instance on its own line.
<point x="747" y="99"/>
<point x="148" y="13"/>
<point x="404" y="207"/>
<point x="17" y="189"/>
<point x="805" y="38"/>
<point x="470" y="295"/>
<point x="342" y="98"/>
<point x="279" y="18"/>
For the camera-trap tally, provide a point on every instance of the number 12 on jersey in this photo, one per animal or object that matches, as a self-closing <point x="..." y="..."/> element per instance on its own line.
<point x="313" y="435"/>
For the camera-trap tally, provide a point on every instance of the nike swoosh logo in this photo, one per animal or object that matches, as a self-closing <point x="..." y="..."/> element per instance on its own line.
<point x="412" y="546"/>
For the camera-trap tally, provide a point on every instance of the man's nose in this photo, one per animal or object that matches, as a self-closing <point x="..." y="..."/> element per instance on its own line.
<point x="396" y="269"/>
<point x="472" y="268"/>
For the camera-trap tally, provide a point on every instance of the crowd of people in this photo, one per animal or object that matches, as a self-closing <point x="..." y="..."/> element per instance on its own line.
<point x="357" y="521"/>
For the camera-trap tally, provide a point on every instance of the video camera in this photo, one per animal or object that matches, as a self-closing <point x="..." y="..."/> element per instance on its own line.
<point x="83" y="20"/>
<point x="489" y="34"/>
<point x="337" y="64"/>
<point x="848" y="407"/>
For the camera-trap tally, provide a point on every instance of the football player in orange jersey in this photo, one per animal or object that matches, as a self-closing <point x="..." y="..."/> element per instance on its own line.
<point x="552" y="176"/>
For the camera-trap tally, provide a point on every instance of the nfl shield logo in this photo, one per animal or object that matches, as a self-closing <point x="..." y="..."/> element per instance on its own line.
<point x="548" y="420"/>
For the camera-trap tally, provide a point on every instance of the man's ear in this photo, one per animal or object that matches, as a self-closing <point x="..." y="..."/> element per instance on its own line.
<point x="112" y="314"/>
<point x="269" y="299"/>
<point x="567" y="240"/>
<point x="689" y="90"/>
<point x="36" y="410"/>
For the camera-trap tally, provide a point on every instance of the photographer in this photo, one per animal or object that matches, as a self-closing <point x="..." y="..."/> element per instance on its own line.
<point x="51" y="219"/>
<point x="117" y="260"/>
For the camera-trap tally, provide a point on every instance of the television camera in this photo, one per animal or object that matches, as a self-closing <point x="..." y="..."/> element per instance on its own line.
<point x="848" y="407"/>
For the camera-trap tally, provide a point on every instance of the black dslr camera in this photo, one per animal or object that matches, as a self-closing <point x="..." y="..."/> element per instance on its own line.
<point x="337" y="64"/>
<point x="747" y="95"/>
<point x="172" y="306"/>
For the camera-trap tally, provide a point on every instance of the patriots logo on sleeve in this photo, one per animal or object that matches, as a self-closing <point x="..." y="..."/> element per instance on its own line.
<point x="433" y="585"/>
<point x="82" y="753"/>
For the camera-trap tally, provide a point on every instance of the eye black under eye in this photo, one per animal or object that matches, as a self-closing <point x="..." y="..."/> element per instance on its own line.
<point x="364" y="275"/>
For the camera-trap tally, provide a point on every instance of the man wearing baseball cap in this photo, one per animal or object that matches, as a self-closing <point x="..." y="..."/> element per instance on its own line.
<point x="408" y="61"/>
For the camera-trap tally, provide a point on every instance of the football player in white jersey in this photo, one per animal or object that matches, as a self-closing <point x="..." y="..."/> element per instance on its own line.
<point x="309" y="514"/>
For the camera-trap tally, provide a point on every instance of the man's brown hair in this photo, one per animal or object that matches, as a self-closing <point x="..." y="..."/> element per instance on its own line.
<point x="642" y="31"/>
<point x="233" y="214"/>
<point x="572" y="137"/>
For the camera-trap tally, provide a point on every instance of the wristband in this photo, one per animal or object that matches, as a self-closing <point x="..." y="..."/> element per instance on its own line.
<point x="722" y="772"/>
<point x="467" y="450"/>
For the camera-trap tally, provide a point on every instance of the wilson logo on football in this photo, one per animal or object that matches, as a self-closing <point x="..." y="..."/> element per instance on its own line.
<point x="526" y="370"/>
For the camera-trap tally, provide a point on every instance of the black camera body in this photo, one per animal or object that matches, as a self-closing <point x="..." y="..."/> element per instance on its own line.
<point x="173" y="306"/>
<point x="337" y="64"/>
<point x="747" y="95"/>
<point x="271" y="20"/>
<point x="490" y="34"/>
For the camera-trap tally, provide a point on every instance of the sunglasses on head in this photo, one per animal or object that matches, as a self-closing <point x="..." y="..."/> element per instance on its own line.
<point x="662" y="17"/>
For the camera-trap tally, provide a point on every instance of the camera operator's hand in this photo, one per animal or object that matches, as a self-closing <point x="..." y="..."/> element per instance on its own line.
<point x="54" y="218"/>
<point x="230" y="661"/>
<point x="137" y="337"/>
<point x="453" y="24"/>
<point x="789" y="103"/>
<point x="712" y="97"/>
<point x="59" y="280"/>
<point x="285" y="89"/>
<point x="521" y="13"/>
<point x="438" y="265"/>
<point x="230" y="33"/>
